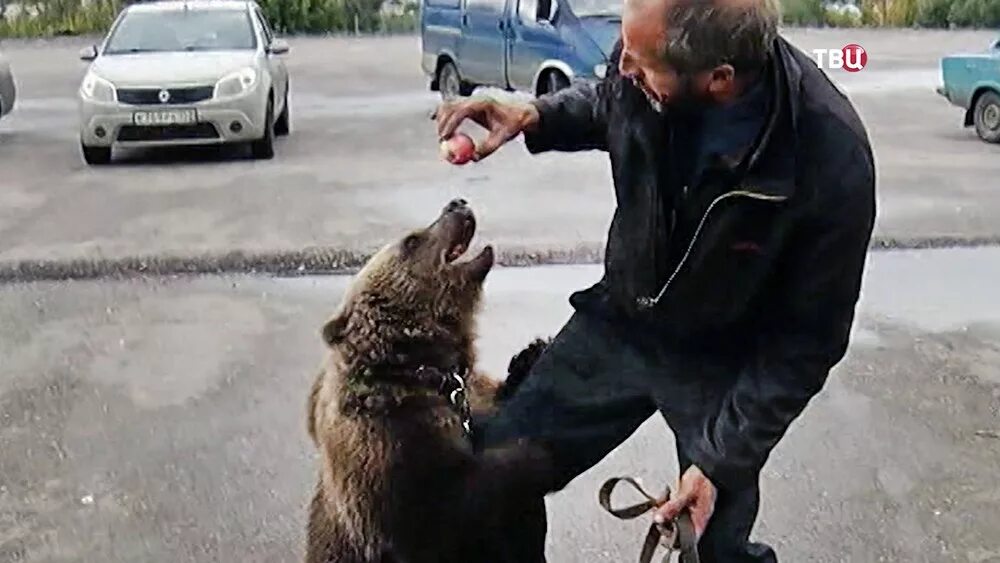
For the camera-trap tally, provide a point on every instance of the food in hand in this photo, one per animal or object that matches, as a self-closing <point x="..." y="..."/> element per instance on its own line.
<point x="458" y="149"/>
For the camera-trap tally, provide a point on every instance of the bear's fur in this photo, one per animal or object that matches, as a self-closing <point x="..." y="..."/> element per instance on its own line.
<point x="399" y="481"/>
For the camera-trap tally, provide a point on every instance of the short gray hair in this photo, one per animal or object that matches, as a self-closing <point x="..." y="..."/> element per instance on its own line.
<point x="702" y="34"/>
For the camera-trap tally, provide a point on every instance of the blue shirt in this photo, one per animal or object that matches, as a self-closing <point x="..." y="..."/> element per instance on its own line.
<point x="728" y="130"/>
<point x="697" y="139"/>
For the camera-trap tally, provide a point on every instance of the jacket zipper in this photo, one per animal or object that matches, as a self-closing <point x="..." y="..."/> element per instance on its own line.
<point x="646" y="302"/>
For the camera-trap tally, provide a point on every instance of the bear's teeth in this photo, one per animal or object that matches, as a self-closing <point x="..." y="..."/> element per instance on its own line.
<point x="457" y="252"/>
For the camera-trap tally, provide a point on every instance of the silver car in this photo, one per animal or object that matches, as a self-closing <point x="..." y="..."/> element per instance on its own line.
<point x="8" y="90"/>
<point x="185" y="73"/>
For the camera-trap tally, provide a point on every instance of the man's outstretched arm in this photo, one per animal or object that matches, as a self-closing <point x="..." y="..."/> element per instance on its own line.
<point x="575" y="118"/>
<point x="572" y="119"/>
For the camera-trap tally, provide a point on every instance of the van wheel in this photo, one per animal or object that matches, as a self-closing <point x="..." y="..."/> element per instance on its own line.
<point x="987" y="117"/>
<point x="553" y="82"/>
<point x="450" y="83"/>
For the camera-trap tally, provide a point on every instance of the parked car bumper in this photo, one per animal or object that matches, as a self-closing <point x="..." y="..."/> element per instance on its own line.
<point x="235" y="120"/>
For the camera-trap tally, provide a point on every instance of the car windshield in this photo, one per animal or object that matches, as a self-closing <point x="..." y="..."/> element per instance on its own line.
<point x="182" y="30"/>
<point x="597" y="8"/>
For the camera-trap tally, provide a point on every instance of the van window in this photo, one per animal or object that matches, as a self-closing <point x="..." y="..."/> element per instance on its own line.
<point x="484" y="5"/>
<point x="596" y="8"/>
<point x="527" y="11"/>
<point x="454" y="4"/>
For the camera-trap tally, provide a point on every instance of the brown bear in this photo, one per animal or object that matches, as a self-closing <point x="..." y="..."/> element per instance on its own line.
<point x="389" y="413"/>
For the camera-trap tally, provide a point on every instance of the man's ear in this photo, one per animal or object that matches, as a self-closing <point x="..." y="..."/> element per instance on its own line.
<point x="722" y="86"/>
<point x="333" y="330"/>
<point x="723" y="73"/>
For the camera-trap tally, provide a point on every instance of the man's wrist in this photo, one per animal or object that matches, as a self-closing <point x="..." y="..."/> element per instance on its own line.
<point x="531" y="118"/>
<point x="707" y="463"/>
<point x="539" y="124"/>
<point x="722" y="474"/>
<point x="694" y="468"/>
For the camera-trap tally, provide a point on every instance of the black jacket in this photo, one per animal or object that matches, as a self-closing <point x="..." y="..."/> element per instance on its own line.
<point x="763" y="258"/>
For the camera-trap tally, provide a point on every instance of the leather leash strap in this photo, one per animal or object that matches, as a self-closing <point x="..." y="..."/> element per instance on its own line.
<point x="675" y="536"/>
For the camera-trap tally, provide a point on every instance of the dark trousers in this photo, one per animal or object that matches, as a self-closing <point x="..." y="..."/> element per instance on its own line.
<point x="596" y="384"/>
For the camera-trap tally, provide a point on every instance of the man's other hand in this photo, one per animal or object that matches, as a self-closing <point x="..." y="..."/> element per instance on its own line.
<point x="694" y="492"/>
<point x="503" y="121"/>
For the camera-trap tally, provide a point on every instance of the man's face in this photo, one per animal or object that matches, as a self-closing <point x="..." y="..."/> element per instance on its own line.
<point x="643" y="35"/>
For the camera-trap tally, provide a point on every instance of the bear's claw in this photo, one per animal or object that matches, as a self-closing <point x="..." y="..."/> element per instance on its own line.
<point x="520" y="366"/>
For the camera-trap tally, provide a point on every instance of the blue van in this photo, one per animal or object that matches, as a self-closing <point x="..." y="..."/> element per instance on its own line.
<point x="533" y="46"/>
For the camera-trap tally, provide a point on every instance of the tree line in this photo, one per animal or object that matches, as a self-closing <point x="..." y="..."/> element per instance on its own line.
<point x="34" y="18"/>
<point x="895" y="13"/>
<point x="40" y="18"/>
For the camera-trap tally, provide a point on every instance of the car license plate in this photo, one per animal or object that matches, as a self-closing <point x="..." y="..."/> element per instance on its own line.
<point x="165" y="117"/>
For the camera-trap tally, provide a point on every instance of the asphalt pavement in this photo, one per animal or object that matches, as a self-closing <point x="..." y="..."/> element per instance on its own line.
<point x="362" y="163"/>
<point x="163" y="420"/>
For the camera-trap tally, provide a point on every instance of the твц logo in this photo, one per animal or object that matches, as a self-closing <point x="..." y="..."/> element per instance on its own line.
<point x="851" y="58"/>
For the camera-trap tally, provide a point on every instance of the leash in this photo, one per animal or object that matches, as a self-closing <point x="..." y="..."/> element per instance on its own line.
<point x="675" y="536"/>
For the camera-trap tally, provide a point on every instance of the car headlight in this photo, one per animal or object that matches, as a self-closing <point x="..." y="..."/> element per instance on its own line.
<point x="236" y="83"/>
<point x="97" y="89"/>
<point x="601" y="70"/>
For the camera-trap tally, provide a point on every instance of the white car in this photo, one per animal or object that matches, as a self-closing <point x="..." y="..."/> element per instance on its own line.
<point x="185" y="72"/>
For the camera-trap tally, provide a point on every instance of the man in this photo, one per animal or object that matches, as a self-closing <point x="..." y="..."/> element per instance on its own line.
<point x="745" y="203"/>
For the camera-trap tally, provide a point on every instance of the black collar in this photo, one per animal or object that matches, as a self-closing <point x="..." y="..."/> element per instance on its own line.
<point x="380" y="390"/>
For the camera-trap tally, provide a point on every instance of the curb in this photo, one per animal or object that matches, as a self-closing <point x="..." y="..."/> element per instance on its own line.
<point x="933" y="242"/>
<point x="313" y="261"/>
<point x="330" y="261"/>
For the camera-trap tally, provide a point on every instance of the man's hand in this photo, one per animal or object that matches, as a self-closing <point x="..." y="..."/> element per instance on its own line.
<point x="503" y="121"/>
<point x="695" y="492"/>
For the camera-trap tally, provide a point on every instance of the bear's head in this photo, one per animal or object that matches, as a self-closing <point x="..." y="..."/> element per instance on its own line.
<point x="415" y="296"/>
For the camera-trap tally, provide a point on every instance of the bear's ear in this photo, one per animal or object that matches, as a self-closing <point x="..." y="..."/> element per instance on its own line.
<point x="333" y="330"/>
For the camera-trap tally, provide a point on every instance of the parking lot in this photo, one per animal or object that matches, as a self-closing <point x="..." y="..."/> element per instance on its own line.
<point x="161" y="419"/>
<point x="362" y="161"/>
<point x="164" y="420"/>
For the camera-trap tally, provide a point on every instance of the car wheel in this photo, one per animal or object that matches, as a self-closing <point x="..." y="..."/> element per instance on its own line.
<point x="96" y="155"/>
<point x="987" y="117"/>
<point x="553" y="82"/>
<point x="283" y="126"/>
<point x="450" y="83"/>
<point x="263" y="148"/>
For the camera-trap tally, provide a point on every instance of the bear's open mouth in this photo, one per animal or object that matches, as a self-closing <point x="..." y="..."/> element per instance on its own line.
<point x="462" y="238"/>
<point x="462" y="234"/>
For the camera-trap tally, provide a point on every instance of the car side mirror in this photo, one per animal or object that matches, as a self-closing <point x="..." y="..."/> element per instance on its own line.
<point x="88" y="53"/>
<point x="278" y="47"/>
